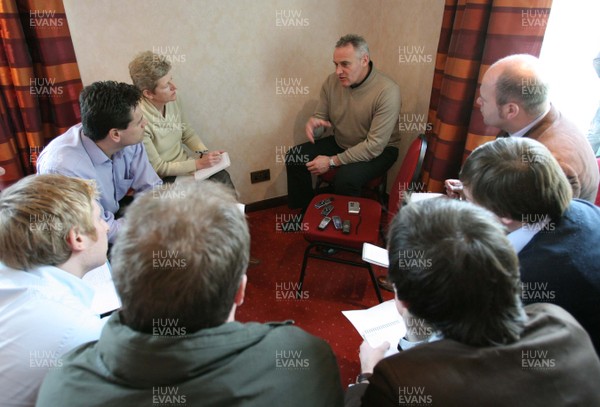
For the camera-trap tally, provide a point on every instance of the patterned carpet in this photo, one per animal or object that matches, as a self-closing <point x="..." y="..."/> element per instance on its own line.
<point x="329" y="288"/>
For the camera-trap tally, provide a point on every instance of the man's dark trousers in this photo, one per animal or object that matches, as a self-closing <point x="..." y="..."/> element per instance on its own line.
<point x="349" y="178"/>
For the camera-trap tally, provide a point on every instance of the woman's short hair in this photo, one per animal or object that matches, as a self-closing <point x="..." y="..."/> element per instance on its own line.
<point x="180" y="256"/>
<point x="36" y="215"/>
<point x="147" y="68"/>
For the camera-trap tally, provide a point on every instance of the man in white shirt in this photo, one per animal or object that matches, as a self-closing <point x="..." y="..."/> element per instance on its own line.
<point x="51" y="234"/>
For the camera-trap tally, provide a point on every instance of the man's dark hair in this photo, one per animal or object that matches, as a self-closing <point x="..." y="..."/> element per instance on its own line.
<point x="453" y="266"/>
<point x="107" y="105"/>
<point x="517" y="178"/>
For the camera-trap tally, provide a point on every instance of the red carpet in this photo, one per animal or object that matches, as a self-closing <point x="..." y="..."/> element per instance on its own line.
<point x="329" y="289"/>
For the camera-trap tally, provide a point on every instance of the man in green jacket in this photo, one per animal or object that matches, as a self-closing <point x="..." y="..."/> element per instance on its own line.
<point x="180" y="269"/>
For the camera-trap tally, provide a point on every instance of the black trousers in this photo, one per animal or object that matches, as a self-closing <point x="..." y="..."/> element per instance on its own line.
<point x="349" y="178"/>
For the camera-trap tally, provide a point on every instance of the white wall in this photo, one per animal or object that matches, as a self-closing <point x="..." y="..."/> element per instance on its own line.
<point x="228" y="55"/>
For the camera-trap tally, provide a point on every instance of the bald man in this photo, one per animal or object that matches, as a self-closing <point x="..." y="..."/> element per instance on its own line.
<point x="514" y="98"/>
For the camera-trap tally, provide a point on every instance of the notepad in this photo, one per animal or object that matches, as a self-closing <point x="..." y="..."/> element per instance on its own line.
<point x="204" y="173"/>
<point x="379" y="324"/>
<point x="375" y="255"/>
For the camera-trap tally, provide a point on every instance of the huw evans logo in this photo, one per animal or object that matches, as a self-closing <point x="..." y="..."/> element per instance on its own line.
<point x="290" y="359"/>
<point x="290" y="87"/>
<point x="45" y="19"/>
<point x="413" y="54"/>
<point x="290" y="19"/>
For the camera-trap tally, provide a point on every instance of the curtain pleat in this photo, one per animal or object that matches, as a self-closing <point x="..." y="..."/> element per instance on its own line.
<point x="474" y="34"/>
<point x="39" y="82"/>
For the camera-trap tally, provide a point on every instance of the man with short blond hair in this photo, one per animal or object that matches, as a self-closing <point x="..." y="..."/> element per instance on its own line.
<point x="51" y="235"/>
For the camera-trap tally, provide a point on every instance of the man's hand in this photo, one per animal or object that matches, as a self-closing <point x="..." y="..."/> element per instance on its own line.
<point x="209" y="159"/>
<point x="454" y="189"/>
<point x="369" y="356"/>
<point x="312" y="124"/>
<point x="318" y="166"/>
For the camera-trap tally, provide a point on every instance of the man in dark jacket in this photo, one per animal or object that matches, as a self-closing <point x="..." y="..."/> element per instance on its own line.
<point x="487" y="350"/>
<point x="556" y="238"/>
<point x="180" y="269"/>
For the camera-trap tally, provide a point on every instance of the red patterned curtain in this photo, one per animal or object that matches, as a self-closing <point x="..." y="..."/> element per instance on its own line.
<point x="475" y="34"/>
<point x="39" y="82"/>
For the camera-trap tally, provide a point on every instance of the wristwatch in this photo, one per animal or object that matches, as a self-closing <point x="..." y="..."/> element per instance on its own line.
<point x="331" y="162"/>
<point x="363" y="377"/>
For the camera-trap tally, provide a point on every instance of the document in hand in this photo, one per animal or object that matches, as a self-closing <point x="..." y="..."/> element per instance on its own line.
<point x="207" y="172"/>
<point x="379" y="324"/>
<point x="105" y="296"/>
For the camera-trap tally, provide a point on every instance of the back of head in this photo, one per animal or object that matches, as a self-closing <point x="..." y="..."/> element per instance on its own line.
<point x="521" y="79"/>
<point x="107" y="105"/>
<point x="181" y="256"/>
<point x="517" y="178"/>
<point x="147" y="68"/>
<point x="36" y="215"/>
<point x="451" y="263"/>
<point x="360" y="45"/>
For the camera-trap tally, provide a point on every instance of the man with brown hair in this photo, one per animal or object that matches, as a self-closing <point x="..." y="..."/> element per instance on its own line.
<point x="180" y="269"/>
<point x="51" y="235"/>
<point x="488" y="350"/>
<point x="557" y="238"/>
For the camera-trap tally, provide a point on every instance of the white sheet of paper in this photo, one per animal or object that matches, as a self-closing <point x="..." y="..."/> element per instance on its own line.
<point x="106" y="298"/>
<point x="420" y="196"/>
<point x="207" y="172"/>
<point x="379" y="324"/>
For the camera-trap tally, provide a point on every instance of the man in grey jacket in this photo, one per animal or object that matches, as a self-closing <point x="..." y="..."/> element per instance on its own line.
<point x="180" y="269"/>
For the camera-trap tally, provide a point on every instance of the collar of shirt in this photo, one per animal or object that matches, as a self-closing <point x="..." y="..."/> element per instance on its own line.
<point x="405" y="344"/>
<point x="75" y="285"/>
<point x="50" y="280"/>
<point x="356" y="85"/>
<point x="525" y="129"/>
<point x="96" y="154"/>
<point x="520" y="237"/>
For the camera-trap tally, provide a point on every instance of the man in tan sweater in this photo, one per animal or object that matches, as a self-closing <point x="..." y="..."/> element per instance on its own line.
<point x="361" y="105"/>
